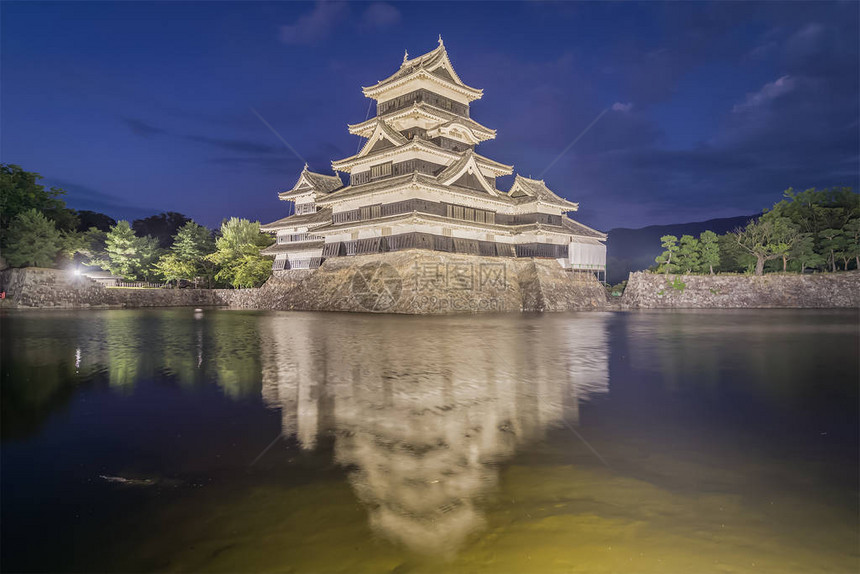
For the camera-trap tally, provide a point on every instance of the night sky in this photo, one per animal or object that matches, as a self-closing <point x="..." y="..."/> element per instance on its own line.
<point x="712" y="109"/>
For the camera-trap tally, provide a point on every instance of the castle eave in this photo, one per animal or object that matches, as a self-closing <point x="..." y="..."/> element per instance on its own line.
<point x="346" y="165"/>
<point x="400" y="78"/>
<point x="292" y="246"/>
<point x="428" y="111"/>
<point x="303" y="220"/>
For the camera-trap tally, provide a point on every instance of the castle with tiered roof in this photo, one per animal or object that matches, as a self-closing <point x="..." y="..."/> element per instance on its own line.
<point x="418" y="183"/>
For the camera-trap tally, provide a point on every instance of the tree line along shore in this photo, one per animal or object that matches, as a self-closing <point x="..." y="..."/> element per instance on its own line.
<point x="37" y="229"/>
<point x="816" y="230"/>
<point x="812" y="230"/>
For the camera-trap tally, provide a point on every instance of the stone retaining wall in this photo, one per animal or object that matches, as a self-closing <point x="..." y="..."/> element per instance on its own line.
<point x="423" y="282"/>
<point x="820" y="290"/>
<point x="416" y="282"/>
<point x="54" y="288"/>
<point x="428" y="282"/>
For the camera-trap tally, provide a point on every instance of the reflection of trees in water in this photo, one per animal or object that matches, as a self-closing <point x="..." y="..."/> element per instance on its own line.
<point x="425" y="409"/>
<point x="45" y="357"/>
<point x="37" y="371"/>
<point x="187" y="347"/>
<point x="180" y="348"/>
<point x="125" y="345"/>
<point x="235" y="352"/>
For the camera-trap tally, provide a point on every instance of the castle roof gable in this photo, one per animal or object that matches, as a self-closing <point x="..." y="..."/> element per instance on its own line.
<point x="382" y="134"/>
<point x="524" y="187"/>
<point x="462" y="168"/>
<point x="310" y="182"/>
<point x="428" y="112"/>
<point x="434" y="65"/>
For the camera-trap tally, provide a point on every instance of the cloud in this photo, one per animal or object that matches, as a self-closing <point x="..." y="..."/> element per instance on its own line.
<point x="619" y="107"/>
<point x="798" y="129"/>
<point x="380" y="15"/>
<point x="316" y="25"/>
<point x="768" y="92"/>
<point x="761" y="52"/>
<point x="285" y="165"/>
<point x="142" y="128"/>
<point x="146" y="130"/>
<point x="84" y="197"/>
<point x="238" y="145"/>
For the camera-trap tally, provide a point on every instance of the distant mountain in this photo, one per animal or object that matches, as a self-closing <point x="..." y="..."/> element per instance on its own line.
<point x="635" y="249"/>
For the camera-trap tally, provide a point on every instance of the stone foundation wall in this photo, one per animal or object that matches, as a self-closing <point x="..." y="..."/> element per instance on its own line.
<point x="424" y="282"/>
<point x="429" y="282"/>
<point x="418" y="282"/>
<point x="54" y="288"/>
<point x="819" y="290"/>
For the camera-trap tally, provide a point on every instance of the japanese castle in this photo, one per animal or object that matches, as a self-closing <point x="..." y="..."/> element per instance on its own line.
<point x="418" y="183"/>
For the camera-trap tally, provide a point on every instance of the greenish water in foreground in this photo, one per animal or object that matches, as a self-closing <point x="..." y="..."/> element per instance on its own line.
<point x="227" y="441"/>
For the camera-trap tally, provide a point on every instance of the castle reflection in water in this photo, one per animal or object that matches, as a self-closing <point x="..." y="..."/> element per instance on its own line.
<point x="424" y="411"/>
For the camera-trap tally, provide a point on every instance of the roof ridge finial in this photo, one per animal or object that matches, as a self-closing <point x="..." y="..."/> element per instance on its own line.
<point x="441" y="43"/>
<point x="405" y="56"/>
<point x="306" y="167"/>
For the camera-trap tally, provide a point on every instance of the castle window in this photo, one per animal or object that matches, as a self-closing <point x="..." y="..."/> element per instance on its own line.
<point x="469" y="213"/>
<point x="381" y="170"/>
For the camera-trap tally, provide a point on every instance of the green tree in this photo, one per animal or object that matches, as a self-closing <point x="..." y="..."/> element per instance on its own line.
<point x="163" y="227"/>
<point x="188" y="255"/>
<point x="733" y="258"/>
<point x="128" y="255"/>
<point x="149" y="252"/>
<point x="87" y="247"/>
<point x="71" y="244"/>
<point x="193" y="242"/>
<point x="32" y="241"/>
<point x="90" y="219"/>
<point x="688" y="254"/>
<point x="709" y="251"/>
<point x="831" y="243"/>
<point x="762" y="240"/>
<point x="20" y="192"/>
<point x="238" y="253"/>
<point x="851" y="231"/>
<point x="95" y="243"/>
<point x="251" y="271"/>
<point x="121" y="250"/>
<point x="171" y="267"/>
<point x="785" y="234"/>
<point x="815" y="210"/>
<point x="803" y="251"/>
<point x="664" y="260"/>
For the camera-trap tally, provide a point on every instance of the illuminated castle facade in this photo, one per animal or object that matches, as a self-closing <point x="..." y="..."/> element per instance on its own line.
<point x="418" y="183"/>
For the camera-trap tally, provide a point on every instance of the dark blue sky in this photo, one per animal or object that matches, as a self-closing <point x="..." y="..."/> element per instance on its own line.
<point x="714" y="109"/>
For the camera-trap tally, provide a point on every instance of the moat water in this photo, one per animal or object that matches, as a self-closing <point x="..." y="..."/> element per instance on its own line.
<point x="227" y="441"/>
